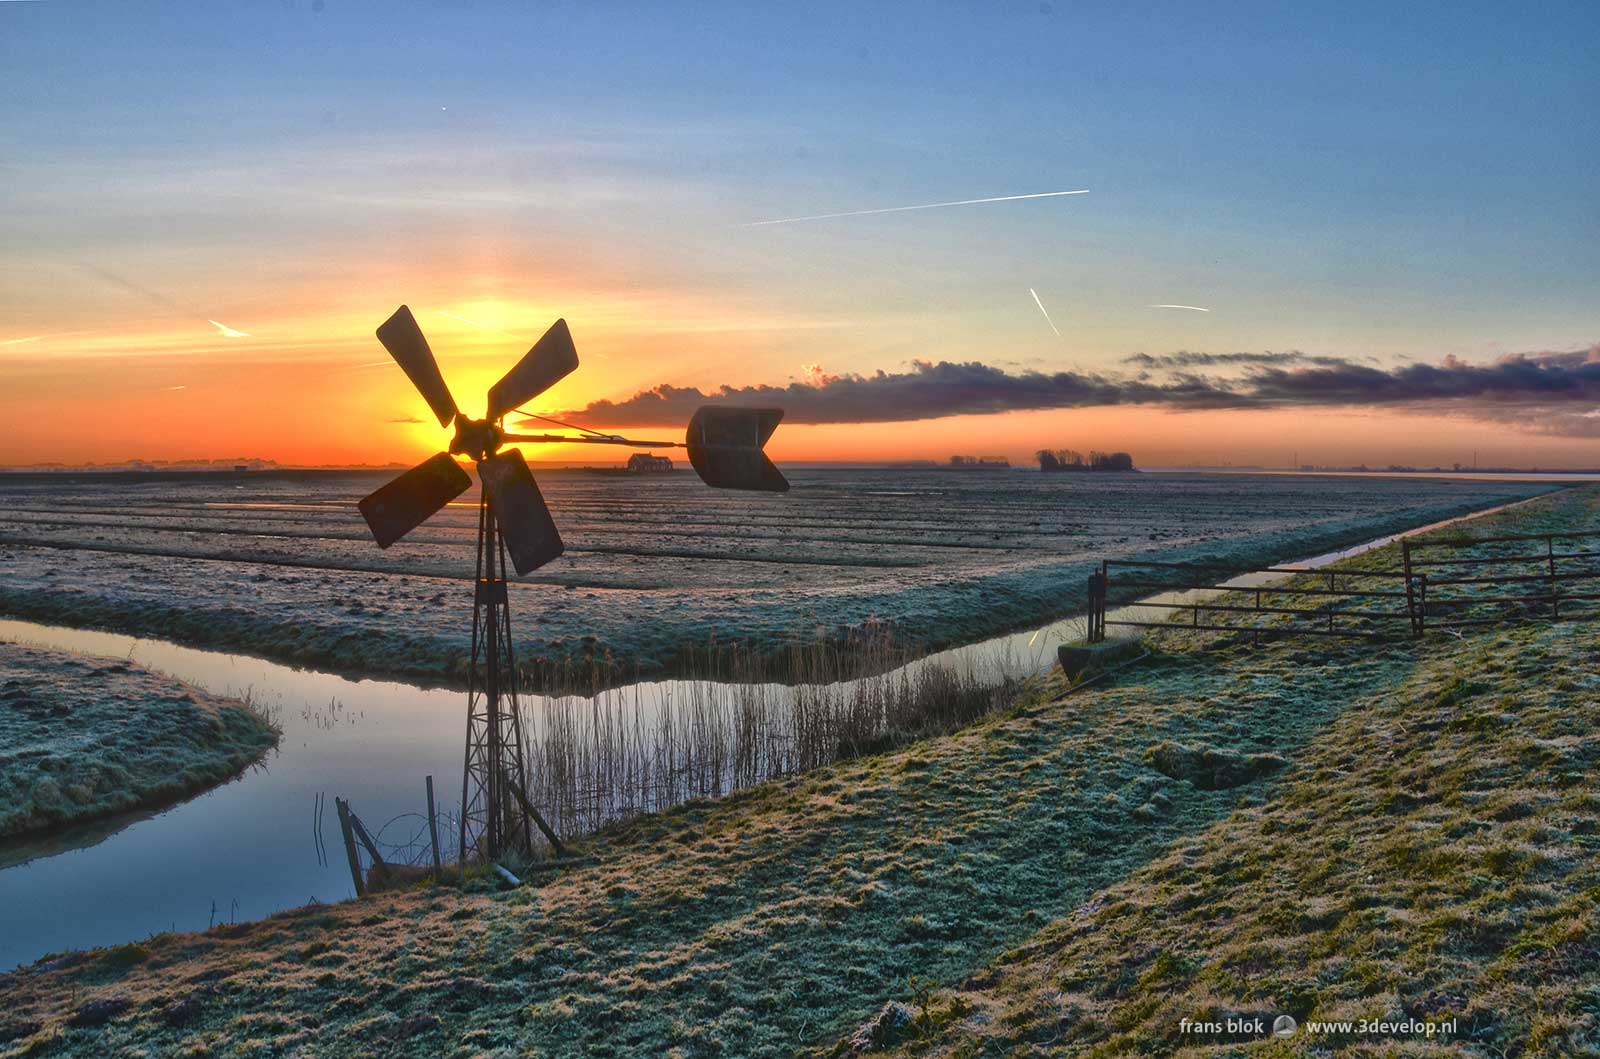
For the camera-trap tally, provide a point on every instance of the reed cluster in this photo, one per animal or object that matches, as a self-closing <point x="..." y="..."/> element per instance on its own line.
<point x="594" y="759"/>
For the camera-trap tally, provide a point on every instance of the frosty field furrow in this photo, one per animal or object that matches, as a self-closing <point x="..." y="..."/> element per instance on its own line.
<point x="660" y="521"/>
<point x="580" y="539"/>
<point x="281" y="564"/>
<point x="282" y="528"/>
<point x="456" y="568"/>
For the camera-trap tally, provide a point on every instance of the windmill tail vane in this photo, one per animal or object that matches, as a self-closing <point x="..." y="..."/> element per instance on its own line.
<point x="725" y="447"/>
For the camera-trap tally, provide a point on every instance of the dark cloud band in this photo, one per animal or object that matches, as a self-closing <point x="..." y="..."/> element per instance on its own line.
<point x="1185" y="359"/>
<point x="1556" y="391"/>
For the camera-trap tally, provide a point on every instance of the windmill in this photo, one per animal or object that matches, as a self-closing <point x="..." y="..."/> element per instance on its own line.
<point x="725" y="449"/>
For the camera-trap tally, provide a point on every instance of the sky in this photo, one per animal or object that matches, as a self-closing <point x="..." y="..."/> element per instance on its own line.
<point x="1391" y="212"/>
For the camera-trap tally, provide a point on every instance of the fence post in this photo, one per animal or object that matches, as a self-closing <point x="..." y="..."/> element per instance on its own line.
<point x="1411" y="589"/>
<point x="350" y="845"/>
<point x="433" y="831"/>
<point x="1094" y="608"/>
<point x="1100" y="597"/>
<point x="1422" y="603"/>
<point x="1097" y="607"/>
<point x="1555" y="586"/>
<point x="1104" y="590"/>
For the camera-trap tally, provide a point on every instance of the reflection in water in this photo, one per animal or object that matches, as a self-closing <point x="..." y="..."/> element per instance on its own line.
<point x="251" y="841"/>
<point x="256" y="845"/>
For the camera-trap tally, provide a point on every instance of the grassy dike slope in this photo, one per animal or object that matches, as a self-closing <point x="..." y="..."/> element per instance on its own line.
<point x="84" y="738"/>
<point x="1433" y="856"/>
<point x="784" y="917"/>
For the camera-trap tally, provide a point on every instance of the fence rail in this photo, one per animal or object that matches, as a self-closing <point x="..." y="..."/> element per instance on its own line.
<point x="1444" y="582"/>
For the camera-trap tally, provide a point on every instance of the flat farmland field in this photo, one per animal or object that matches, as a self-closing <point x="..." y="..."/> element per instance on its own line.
<point x="280" y="564"/>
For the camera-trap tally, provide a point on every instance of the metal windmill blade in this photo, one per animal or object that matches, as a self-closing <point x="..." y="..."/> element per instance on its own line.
<point x="411" y="499"/>
<point x="551" y="359"/>
<point x="403" y="339"/>
<point x="725" y="448"/>
<point x="525" y="523"/>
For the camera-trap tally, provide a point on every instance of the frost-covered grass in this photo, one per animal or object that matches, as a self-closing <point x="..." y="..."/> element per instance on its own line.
<point x="1434" y="857"/>
<point x="283" y="567"/>
<point x="83" y="738"/>
<point x="1333" y="827"/>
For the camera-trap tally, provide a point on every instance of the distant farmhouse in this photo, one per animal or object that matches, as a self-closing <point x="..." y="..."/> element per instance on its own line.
<point x="648" y="463"/>
<point x="1068" y="460"/>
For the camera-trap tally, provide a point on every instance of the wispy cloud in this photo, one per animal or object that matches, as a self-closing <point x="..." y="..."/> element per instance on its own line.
<point x="404" y="419"/>
<point x="1546" y="392"/>
<point x="228" y="332"/>
<point x="1046" y="312"/>
<point x="1191" y="308"/>
<point x="906" y="209"/>
<point x="169" y="389"/>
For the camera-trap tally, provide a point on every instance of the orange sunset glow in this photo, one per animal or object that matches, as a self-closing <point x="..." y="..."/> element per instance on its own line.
<point x="193" y="267"/>
<point x="314" y="388"/>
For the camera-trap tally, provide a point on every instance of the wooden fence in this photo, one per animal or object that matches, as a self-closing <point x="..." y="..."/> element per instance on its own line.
<point x="1444" y="582"/>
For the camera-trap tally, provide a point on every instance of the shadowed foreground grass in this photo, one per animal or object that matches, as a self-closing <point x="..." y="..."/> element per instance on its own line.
<point x="1320" y="828"/>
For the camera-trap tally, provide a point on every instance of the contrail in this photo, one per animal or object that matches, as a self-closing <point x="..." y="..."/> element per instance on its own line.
<point x="360" y="367"/>
<point x="902" y="209"/>
<point x="146" y="293"/>
<point x="1192" y="308"/>
<point x="1046" y="312"/>
<point x="156" y="298"/>
<point x="40" y="338"/>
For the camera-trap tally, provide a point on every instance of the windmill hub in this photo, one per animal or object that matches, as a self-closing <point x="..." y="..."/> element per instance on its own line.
<point x="476" y="438"/>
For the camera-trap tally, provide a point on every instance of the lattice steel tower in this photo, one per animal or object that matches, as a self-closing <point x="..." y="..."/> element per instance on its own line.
<point x="725" y="448"/>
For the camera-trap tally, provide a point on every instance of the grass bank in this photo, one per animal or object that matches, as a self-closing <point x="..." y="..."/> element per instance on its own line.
<point x="84" y="738"/>
<point x="1064" y="876"/>
<point x="1432" y="861"/>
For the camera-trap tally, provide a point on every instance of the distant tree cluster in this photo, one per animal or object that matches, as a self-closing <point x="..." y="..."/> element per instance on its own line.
<point x="979" y="461"/>
<point x="1070" y="460"/>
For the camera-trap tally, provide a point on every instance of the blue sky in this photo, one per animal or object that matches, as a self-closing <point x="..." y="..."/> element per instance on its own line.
<point x="1357" y="180"/>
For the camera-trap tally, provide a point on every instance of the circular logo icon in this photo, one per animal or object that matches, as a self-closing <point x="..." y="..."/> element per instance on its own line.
<point x="1284" y="1026"/>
